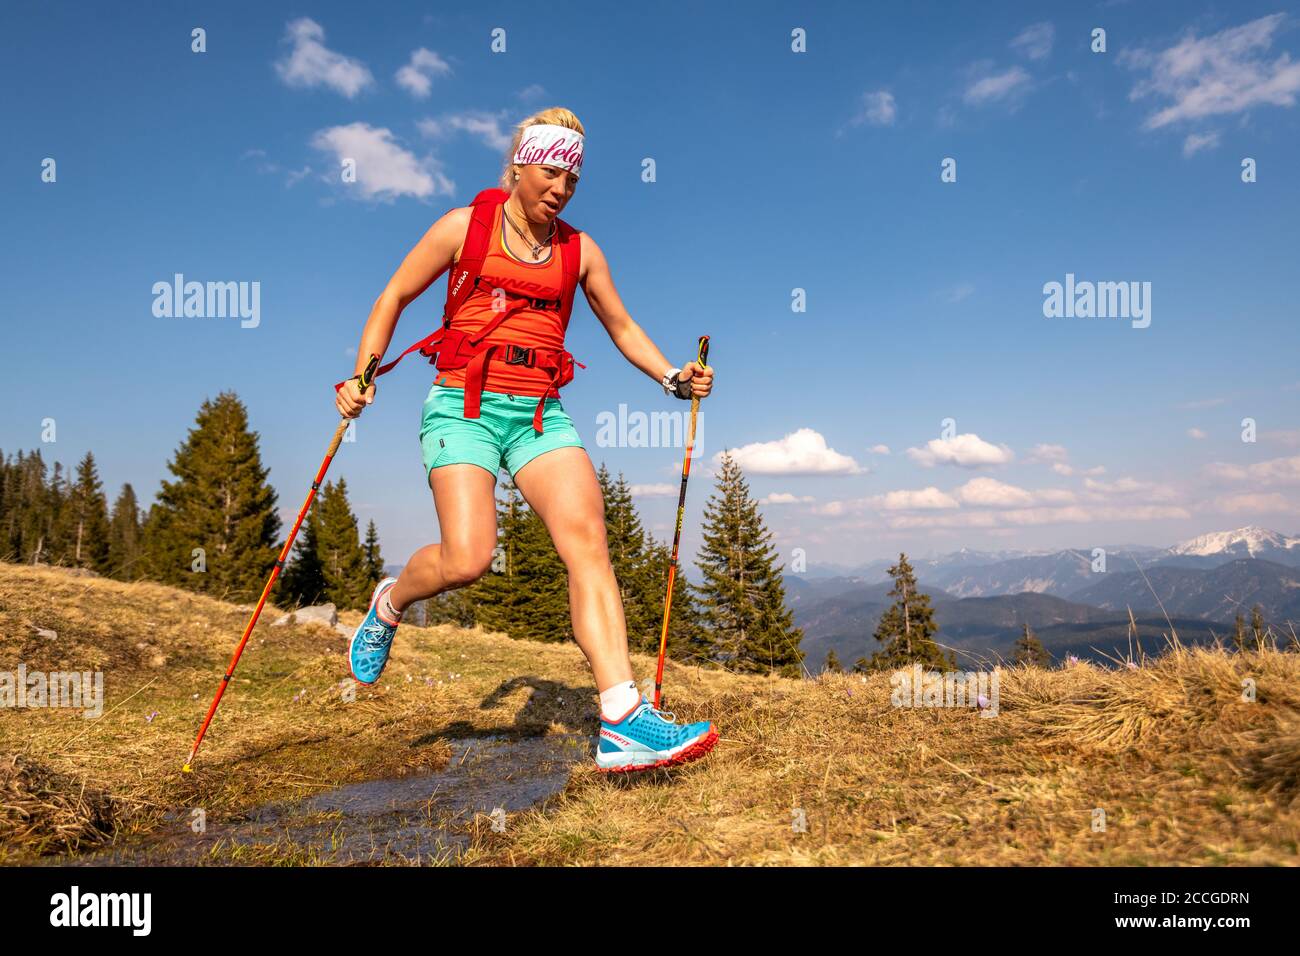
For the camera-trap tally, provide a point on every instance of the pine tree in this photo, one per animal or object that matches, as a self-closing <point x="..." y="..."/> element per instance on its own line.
<point x="529" y="597"/>
<point x="907" y="628"/>
<point x="125" y="544"/>
<point x="220" y="503"/>
<point x="374" y="559"/>
<point x="85" y="520"/>
<point x="743" y="596"/>
<point x="626" y="542"/>
<point x="36" y="519"/>
<point x="302" y="583"/>
<point x="641" y="566"/>
<point x="11" y="507"/>
<point x="1029" y="650"/>
<point x="338" y="545"/>
<point x="688" y="640"/>
<point x="450" y="607"/>
<point x="543" y="583"/>
<point x="8" y="502"/>
<point x="832" y="664"/>
<point x="50" y="548"/>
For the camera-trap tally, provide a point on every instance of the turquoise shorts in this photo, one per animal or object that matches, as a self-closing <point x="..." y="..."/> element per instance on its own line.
<point x="502" y="435"/>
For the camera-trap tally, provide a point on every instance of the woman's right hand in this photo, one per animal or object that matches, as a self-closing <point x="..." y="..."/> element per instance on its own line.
<point x="351" y="402"/>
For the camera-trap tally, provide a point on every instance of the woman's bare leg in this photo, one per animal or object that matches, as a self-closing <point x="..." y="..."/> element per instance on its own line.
<point x="561" y="486"/>
<point x="465" y="498"/>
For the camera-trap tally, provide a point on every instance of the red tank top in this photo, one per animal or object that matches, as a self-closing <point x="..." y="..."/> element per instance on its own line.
<point x="527" y="328"/>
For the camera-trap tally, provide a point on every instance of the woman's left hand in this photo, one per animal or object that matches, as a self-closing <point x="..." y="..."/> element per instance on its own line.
<point x="700" y="377"/>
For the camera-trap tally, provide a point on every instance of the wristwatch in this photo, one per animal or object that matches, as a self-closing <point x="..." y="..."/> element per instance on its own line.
<point x="669" y="381"/>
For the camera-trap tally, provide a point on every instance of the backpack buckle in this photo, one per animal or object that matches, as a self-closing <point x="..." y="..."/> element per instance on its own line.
<point x="515" y="355"/>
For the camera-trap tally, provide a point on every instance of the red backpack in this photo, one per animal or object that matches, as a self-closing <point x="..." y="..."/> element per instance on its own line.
<point x="448" y="348"/>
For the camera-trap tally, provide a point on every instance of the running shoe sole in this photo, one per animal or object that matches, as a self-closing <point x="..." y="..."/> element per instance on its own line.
<point x="691" y="751"/>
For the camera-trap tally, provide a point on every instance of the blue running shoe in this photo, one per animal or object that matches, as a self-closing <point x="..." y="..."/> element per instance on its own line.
<point x="645" y="738"/>
<point x="368" y="650"/>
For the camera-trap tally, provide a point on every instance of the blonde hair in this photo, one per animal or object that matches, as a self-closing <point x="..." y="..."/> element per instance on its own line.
<point x="553" y="116"/>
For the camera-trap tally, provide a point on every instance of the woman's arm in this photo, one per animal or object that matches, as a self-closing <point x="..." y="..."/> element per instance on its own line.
<point x="430" y="258"/>
<point x="623" y="330"/>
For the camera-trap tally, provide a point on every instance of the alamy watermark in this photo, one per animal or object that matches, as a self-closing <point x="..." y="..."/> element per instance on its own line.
<point x="1098" y="300"/>
<point x="208" y="300"/>
<point x="919" y="687"/>
<point x="75" y="908"/>
<point x="78" y="690"/>
<point x="655" y="429"/>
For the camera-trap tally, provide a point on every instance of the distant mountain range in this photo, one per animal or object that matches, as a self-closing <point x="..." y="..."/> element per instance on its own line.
<point x="983" y="599"/>
<point x="968" y="573"/>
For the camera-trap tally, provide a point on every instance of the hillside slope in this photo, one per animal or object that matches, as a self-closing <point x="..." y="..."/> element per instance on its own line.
<point x="1215" y="594"/>
<point x="807" y="772"/>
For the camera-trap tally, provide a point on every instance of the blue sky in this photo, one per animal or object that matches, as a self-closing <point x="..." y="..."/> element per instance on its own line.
<point x="775" y="171"/>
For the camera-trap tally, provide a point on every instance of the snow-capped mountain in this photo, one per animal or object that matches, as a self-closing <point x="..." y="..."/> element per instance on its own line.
<point x="971" y="573"/>
<point x="1249" y="542"/>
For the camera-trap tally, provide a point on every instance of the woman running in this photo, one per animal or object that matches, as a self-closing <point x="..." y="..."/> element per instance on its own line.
<point x="495" y="402"/>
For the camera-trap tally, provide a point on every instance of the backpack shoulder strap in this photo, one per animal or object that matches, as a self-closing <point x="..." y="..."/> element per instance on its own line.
<point x="570" y="242"/>
<point x="461" y="278"/>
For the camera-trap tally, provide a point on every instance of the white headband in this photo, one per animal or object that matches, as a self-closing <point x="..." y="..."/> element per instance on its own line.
<point x="550" y="146"/>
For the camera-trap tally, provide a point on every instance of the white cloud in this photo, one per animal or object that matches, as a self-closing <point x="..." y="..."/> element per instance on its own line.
<point x="1256" y="503"/>
<point x="1042" y="454"/>
<point x="1023" y="517"/>
<point x="1196" y="142"/>
<point x="1129" y="487"/>
<point x="991" y="493"/>
<point x="1196" y="433"/>
<point x="909" y="500"/>
<point x="1228" y="72"/>
<point x="880" y="449"/>
<point x="785" y="498"/>
<point x="1006" y="86"/>
<point x="384" y="169"/>
<point x="959" y="293"/>
<point x="803" y="452"/>
<point x="964" y="451"/>
<point x="531" y="92"/>
<point x="1275" y="471"/>
<point x="1202" y="403"/>
<point x="878" y="109"/>
<point x="655" y="490"/>
<point x="1035" y="41"/>
<point x="487" y="127"/>
<point x="1281" y="437"/>
<point x="310" y="63"/>
<point x="416" y="77"/>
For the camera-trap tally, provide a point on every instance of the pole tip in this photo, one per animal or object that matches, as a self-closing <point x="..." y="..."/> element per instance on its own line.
<point x="187" y="769"/>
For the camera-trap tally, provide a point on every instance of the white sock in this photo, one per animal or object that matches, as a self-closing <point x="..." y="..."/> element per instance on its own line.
<point x="385" y="609"/>
<point x="616" y="701"/>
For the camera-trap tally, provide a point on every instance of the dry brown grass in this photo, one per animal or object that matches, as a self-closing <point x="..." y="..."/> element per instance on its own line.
<point x="49" y="812"/>
<point x="1185" y="770"/>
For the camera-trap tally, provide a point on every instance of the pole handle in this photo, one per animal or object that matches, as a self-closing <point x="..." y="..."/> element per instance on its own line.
<point x="367" y="375"/>
<point x="364" y="381"/>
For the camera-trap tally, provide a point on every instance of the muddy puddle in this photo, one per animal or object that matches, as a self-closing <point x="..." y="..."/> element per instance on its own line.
<point x="419" y="818"/>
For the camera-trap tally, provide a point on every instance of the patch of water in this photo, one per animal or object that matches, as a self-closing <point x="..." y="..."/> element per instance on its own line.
<point x="418" y="818"/>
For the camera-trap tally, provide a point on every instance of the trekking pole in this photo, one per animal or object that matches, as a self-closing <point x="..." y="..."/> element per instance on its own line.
<point x="703" y="359"/>
<point x="363" y="382"/>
